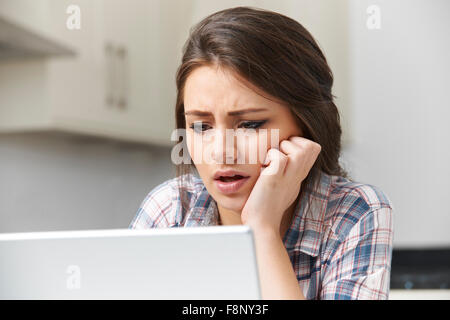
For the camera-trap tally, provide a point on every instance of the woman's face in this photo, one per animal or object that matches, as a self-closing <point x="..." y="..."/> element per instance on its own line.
<point x="212" y="96"/>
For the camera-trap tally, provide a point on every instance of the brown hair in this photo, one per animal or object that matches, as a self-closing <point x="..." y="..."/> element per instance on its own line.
<point x="279" y="56"/>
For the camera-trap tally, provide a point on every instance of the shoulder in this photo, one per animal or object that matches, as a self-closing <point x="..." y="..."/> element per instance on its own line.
<point x="359" y="241"/>
<point x="166" y="203"/>
<point x="353" y="203"/>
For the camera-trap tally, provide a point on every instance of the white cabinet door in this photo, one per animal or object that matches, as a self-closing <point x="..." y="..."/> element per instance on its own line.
<point x="76" y="85"/>
<point x="131" y="33"/>
<point x="151" y="35"/>
<point x="121" y="83"/>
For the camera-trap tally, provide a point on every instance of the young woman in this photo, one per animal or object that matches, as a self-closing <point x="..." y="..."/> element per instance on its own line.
<point x="318" y="234"/>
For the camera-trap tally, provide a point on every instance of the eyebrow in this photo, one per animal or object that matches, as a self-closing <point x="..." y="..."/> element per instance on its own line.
<point x="231" y="113"/>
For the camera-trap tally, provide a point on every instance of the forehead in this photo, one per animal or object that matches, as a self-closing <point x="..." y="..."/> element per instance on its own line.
<point x="216" y="89"/>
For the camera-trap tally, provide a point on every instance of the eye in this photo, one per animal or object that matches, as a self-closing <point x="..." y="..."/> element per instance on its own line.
<point x="198" y="127"/>
<point x="253" y="124"/>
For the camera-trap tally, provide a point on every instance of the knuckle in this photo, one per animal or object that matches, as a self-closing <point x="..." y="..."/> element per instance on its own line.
<point x="270" y="153"/>
<point x="297" y="139"/>
<point x="313" y="145"/>
<point x="283" y="143"/>
<point x="274" y="151"/>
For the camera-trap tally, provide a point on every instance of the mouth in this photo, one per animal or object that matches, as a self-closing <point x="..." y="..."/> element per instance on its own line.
<point x="231" y="179"/>
<point x="229" y="175"/>
<point x="230" y="183"/>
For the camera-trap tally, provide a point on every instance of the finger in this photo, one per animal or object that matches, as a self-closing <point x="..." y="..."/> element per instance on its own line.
<point x="288" y="147"/>
<point x="296" y="155"/>
<point x="276" y="162"/>
<point x="298" y="140"/>
<point x="304" y="157"/>
<point x="306" y="143"/>
<point x="313" y="148"/>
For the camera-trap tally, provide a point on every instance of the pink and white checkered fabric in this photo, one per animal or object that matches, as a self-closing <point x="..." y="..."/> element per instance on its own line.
<point x="340" y="246"/>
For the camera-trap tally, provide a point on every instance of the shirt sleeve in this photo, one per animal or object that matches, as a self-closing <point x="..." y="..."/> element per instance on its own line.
<point x="155" y="210"/>
<point x="360" y="266"/>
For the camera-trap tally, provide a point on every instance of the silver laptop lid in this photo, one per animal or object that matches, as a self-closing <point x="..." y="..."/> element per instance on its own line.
<point x="214" y="262"/>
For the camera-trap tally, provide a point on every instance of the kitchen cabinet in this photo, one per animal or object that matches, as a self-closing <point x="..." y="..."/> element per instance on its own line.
<point x="30" y="14"/>
<point x="119" y="84"/>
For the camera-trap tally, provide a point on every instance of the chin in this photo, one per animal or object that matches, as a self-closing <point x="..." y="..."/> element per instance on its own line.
<point x="233" y="204"/>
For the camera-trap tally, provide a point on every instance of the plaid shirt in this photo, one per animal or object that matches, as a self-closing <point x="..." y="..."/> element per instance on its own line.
<point x="340" y="249"/>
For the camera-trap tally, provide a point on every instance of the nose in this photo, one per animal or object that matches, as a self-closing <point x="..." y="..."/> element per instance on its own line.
<point x="224" y="147"/>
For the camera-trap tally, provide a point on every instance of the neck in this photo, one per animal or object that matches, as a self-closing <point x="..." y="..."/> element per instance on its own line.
<point x="229" y="217"/>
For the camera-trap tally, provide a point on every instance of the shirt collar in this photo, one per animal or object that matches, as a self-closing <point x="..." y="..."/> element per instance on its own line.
<point x="203" y="212"/>
<point x="305" y="232"/>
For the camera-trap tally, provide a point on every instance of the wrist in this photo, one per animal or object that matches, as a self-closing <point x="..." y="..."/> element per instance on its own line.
<point x="265" y="231"/>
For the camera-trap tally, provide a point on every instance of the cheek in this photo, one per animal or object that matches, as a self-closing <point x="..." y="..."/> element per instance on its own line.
<point x="194" y="152"/>
<point x="205" y="173"/>
<point x="290" y="128"/>
<point x="252" y="148"/>
<point x="202" y="168"/>
<point x="264" y="144"/>
<point x="189" y="143"/>
<point x="260" y="144"/>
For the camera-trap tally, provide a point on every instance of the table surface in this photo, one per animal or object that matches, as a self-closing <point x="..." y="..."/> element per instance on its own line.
<point x="419" y="294"/>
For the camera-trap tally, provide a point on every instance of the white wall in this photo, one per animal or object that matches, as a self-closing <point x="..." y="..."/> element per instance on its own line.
<point x="399" y="86"/>
<point x="63" y="182"/>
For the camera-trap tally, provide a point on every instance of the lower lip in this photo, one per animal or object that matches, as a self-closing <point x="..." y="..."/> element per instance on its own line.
<point x="230" y="187"/>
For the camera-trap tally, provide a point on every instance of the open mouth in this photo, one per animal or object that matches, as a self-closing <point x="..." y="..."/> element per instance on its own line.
<point x="230" y="184"/>
<point x="230" y="179"/>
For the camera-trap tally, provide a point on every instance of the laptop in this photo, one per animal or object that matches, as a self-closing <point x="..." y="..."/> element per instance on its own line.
<point x="213" y="262"/>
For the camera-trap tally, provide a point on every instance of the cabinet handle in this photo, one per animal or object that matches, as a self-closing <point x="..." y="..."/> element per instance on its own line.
<point x="110" y="74"/>
<point x="122" y="57"/>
